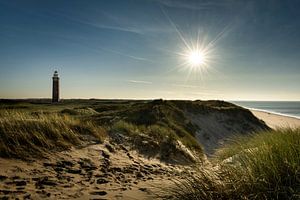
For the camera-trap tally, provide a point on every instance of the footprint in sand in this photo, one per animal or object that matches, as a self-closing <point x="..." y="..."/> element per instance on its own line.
<point x="102" y="181"/>
<point x="100" y="193"/>
<point x="2" y="178"/>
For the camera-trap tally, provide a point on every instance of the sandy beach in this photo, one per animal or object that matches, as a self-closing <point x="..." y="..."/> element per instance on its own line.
<point x="276" y="120"/>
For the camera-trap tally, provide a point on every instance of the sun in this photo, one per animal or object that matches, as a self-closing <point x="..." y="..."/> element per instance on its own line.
<point x="197" y="53"/>
<point x="196" y="58"/>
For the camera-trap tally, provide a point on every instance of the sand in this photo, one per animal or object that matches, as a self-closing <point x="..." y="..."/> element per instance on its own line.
<point x="100" y="171"/>
<point x="276" y="121"/>
<point x="216" y="127"/>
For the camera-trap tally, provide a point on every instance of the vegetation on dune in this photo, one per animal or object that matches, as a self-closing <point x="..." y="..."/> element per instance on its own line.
<point x="158" y="125"/>
<point x="79" y="111"/>
<point x="158" y="122"/>
<point x="261" y="166"/>
<point x="23" y="134"/>
<point x="236" y="115"/>
<point x="166" y="118"/>
<point x="155" y="140"/>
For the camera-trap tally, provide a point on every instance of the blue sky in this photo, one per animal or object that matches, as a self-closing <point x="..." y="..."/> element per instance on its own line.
<point x="130" y="49"/>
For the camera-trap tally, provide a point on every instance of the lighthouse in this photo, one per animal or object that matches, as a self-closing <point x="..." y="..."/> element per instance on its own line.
<point x="55" y="87"/>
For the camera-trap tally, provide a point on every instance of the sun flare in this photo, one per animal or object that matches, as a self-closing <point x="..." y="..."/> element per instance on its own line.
<point x="196" y="58"/>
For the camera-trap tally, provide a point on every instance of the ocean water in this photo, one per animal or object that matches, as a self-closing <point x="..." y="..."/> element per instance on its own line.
<point x="288" y="108"/>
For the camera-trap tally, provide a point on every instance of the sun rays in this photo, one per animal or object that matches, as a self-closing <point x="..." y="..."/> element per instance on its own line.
<point x="196" y="57"/>
<point x="197" y="54"/>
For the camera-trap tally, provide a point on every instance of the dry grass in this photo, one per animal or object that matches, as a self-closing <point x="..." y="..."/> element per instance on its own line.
<point x="155" y="140"/>
<point x="23" y="134"/>
<point x="262" y="166"/>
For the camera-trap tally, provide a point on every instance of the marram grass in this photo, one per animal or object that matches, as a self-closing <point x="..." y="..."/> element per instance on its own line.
<point x="157" y="132"/>
<point x="23" y="134"/>
<point x="261" y="166"/>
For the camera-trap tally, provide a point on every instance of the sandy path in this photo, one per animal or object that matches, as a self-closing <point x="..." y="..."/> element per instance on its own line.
<point x="102" y="171"/>
<point x="277" y="121"/>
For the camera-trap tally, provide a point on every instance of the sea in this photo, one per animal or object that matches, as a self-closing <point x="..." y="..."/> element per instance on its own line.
<point x="286" y="108"/>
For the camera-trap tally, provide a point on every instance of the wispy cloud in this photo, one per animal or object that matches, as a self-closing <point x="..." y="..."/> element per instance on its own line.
<point x="99" y="25"/>
<point x="126" y="55"/>
<point x="119" y="23"/>
<point x="192" y="5"/>
<point x="139" y="81"/>
<point x="137" y="25"/>
<point x="116" y="28"/>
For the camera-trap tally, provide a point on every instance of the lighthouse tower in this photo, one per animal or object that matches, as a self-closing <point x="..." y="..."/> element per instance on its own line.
<point x="55" y="88"/>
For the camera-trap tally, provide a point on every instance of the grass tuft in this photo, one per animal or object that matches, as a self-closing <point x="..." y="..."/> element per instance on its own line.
<point x="23" y="134"/>
<point x="262" y="166"/>
<point x="156" y="140"/>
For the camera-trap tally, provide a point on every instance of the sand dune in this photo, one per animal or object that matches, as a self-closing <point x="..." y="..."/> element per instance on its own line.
<point x="215" y="127"/>
<point x="116" y="170"/>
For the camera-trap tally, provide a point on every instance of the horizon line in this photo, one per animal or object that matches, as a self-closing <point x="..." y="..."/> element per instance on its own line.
<point x="147" y="99"/>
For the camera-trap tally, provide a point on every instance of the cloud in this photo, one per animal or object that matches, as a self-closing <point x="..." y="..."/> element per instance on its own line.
<point x="99" y="25"/>
<point x="137" y="25"/>
<point x="192" y="5"/>
<point x="126" y="55"/>
<point x="139" y="82"/>
<point x="115" y="28"/>
<point x="119" y="23"/>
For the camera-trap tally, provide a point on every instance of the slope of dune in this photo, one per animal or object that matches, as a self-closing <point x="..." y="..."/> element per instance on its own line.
<point x="207" y="123"/>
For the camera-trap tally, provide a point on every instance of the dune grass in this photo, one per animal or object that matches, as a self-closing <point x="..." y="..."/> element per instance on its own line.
<point x="157" y="133"/>
<point x="23" y="134"/>
<point x="160" y="141"/>
<point x="261" y="166"/>
<point x="160" y="119"/>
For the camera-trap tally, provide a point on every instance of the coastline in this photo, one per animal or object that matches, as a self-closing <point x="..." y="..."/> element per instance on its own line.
<point x="275" y="120"/>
